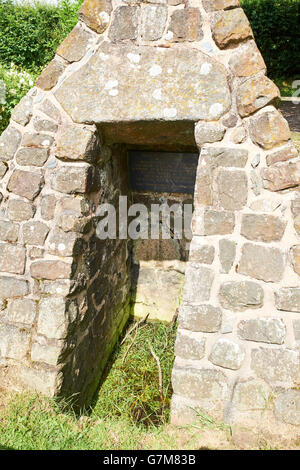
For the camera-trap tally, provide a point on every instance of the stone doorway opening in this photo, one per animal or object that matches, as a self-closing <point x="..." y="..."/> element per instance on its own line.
<point x="157" y="164"/>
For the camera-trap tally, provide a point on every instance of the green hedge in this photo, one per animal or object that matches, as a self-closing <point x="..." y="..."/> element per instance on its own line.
<point x="30" y="34"/>
<point x="276" y="26"/>
<point x="29" y="37"/>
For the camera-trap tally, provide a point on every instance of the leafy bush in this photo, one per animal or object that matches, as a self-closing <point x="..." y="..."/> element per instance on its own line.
<point x="30" y="34"/>
<point x="276" y="28"/>
<point x="14" y="84"/>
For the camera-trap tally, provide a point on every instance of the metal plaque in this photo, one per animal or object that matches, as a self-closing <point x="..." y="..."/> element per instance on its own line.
<point x="166" y="172"/>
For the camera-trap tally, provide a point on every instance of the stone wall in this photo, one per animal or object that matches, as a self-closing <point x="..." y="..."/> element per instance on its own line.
<point x="65" y="294"/>
<point x="132" y="70"/>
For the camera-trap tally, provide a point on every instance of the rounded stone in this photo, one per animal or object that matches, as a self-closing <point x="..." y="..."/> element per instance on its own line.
<point x="227" y="354"/>
<point x="287" y="407"/>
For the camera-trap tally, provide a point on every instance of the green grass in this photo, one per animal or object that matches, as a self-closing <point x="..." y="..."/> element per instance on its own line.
<point x="285" y="85"/>
<point x="127" y="412"/>
<point x="131" y="388"/>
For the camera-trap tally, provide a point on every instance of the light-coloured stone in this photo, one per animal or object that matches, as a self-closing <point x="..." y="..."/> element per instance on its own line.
<point x="72" y="222"/>
<point x="265" y="205"/>
<point x="230" y="27"/>
<point x="111" y="86"/>
<point x="77" y="143"/>
<point x="230" y="120"/>
<point x="255" y="160"/>
<point x="36" y="140"/>
<point x="224" y="157"/>
<point x="51" y="270"/>
<point x="23" y="111"/>
<point x="62" y="244"/>
<point x="124" y="25"/>
<point x="269" y="129"/>
<point x="76" y="44"/>
<point x="47" y="382"/>
<point x="44" y="352"/>
<point x="256" y="184"/>
<point x="11" y="287"/>
<point x="275" y="365"/>
<point x="18" y="210"/>
<point x="35" y="233"/>
<point x="50" y="75"/>
<point x="246" y="60"/>
<point x="287" y="407"/>
<point x="213" y="5"/>
<point x="25" y="184"/>
<point x="9" y="231"/>
<point x="48" y="108"/>
<point x="213" y="222"/>
<point x="153" y="21"/>
<point x="22" y="311"/>
<point x="48" y="204"/>
<point x="288" y="299"/>
<point x="295" y="257"/>
<point x="186" y="25"/>
<point x="297" y="224"/>
<point x="36" y="252"/>
<point x="287" y="153"/>
<point x="57" y="288"/>
<point x="227" y="250"/>
<point x="55" y="317"/>
<point x="72" y="179"/>
<point x="32" y="156"/>
<point x="96" y="14"/>
<point x="251" y="395"/>
<point x="255" y="93"/>
<point x="227" y="354"/>
<point x="80" y="205"/>
<point x="3" y="169"/>
<point x="44" y="125"/>
<point x="260" y="262"/>
<point x="208" y="132"/>
<point x="208" y="385"/>
<point x="238" y="135"/>
<point x="278" y="177"/>
<point x="232" y="187"/>
<point x="205" y="318"/>
<point x="14" y="342"/>
<point x="12" y="258"/>
<point x="189" y="346"/>
<point x="262" y="228"/>
<point x="201" y="253"/>
<point x="198" y="282"/>
<point x="239" y="296"/>
<point x="265" y="330"/>
<point x="9" y="143"/>
<point x="183" y="411"/>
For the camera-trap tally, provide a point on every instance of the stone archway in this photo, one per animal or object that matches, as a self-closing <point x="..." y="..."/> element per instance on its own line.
<point x="174" y="67"/>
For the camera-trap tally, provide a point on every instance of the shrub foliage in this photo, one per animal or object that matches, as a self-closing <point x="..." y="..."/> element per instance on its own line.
<point x="275" y="24"/>
<point x="30" y="33"/>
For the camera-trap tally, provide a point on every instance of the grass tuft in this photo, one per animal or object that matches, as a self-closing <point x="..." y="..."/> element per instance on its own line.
<point x="131" y="387"/>
<point x="127" y="412"/>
